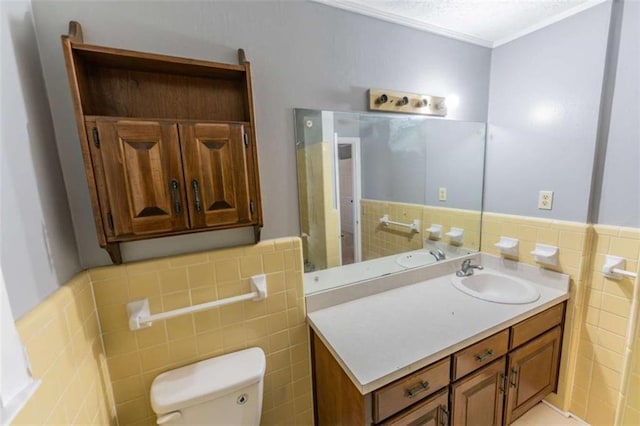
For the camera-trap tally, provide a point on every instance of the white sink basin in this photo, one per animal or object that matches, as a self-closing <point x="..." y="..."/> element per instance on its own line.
<point x="496" y="287"/>
<point x="415" y="259"/>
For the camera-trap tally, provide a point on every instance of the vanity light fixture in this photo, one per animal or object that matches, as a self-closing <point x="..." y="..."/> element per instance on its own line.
<point x="404" y="102"/>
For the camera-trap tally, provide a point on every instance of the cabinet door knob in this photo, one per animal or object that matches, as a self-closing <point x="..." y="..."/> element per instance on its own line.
<point x="196" y="195"/>
<point x="175" y="195"/>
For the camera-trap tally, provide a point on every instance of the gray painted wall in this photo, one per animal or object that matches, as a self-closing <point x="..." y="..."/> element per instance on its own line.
<point x="455" y="161"/>
<point x="620" y="198"/>
<point x="38" y="246"/>
<point x="303" y="54"/>
<point x="408" y="159"/>
<point x="543" y="117"/>
<point x="393" y="153"/>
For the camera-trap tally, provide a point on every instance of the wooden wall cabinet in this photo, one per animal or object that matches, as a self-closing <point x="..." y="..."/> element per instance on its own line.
<point x="168" y="143"/>
<point x="489" y="383"/>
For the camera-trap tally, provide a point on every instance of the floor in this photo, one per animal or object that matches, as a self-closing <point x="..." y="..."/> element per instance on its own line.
<point x="542" y="414"/>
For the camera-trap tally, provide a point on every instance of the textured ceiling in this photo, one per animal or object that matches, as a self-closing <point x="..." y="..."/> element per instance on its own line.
<point x="485" y="22"/>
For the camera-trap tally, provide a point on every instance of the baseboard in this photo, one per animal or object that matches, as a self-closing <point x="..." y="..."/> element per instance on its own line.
<point x="565" y="413"/>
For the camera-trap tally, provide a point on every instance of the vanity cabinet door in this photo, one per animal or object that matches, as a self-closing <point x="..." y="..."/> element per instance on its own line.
<point x="478" y="399"/>
<point x="533" y="373"/>
<point x="431" y="412"/>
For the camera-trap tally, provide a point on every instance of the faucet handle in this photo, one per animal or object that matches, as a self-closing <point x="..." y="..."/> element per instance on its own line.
<point x="467" y="268"/>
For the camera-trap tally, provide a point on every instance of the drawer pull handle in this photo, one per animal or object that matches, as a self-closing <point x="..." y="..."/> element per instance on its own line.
<point x="514" y="377"/>
<point x="423" y="386"/>
<point x="486" y="354"/>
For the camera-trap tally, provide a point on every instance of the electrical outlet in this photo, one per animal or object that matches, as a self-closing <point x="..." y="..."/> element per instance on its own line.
<point x="545" y="200"/>
<point x="442" y="194"/>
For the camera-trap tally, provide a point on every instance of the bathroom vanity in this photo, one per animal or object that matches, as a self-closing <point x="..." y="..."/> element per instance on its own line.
<point x="411" y="348"/>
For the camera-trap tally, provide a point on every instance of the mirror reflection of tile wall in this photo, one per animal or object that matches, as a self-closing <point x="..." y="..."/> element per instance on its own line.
<point x="381" y="241"/>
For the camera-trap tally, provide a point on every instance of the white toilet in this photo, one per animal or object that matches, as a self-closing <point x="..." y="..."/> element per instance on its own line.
<point x="226" y="390"/>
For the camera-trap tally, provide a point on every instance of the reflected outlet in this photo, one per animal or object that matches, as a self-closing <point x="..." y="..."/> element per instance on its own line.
<point x="442" y="194"/>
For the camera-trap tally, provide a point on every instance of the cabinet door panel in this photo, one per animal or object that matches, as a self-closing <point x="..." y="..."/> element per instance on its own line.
<point x="143" y="173"/>
<point x="533" y="373"/>
<point x="215" y="174"/>
<point x="479" y="398"/>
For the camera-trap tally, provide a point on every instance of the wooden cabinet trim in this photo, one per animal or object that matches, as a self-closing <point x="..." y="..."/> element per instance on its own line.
<point x="407" y="391"/>
<point x="75" y="83"/>
<point x="479" y="354"/>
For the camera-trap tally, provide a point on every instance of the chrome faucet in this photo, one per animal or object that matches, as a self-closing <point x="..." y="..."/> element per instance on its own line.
<point x="438" y="254"/>
<point x="467" y="268"/>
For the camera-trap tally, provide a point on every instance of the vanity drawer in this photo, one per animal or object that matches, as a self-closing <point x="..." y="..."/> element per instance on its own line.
<point x="483" y="352"/>
<point x="431" y="411"/>
<point x="534" y="326"/>
<point x="408" y="390"/>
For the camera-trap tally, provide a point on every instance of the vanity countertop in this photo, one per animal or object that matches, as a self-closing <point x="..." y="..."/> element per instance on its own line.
<point x="382" y="337"/>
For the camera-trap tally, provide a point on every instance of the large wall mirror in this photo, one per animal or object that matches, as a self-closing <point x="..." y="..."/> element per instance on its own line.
<point x="424" y="175"/>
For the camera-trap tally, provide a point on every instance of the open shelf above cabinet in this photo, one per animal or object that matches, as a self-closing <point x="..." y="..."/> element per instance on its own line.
<point x="168" y="143"/>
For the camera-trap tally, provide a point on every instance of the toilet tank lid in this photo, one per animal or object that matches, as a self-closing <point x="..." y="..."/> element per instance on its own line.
<point x="206" y="380"/>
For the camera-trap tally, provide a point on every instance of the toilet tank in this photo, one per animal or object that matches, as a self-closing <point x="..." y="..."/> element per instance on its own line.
<point x="225" y="390"/>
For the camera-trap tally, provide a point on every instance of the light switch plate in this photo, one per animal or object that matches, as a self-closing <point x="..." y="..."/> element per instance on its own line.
<point x="442" y="194"/>
<point x="545" y="200"/>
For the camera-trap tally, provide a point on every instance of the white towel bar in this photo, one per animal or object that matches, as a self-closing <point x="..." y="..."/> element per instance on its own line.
<point x="625" y="273"/>
<point x="614" y="268"/>
<point x="414" y="226"/>
<point x="140" y="316"/>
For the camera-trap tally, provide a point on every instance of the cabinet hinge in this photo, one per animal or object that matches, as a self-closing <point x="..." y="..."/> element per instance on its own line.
<point x="96" y="138"/>
<point x="252" y="207"/>
<point x="110" y="220"/>
<point x="246" y="139"/>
